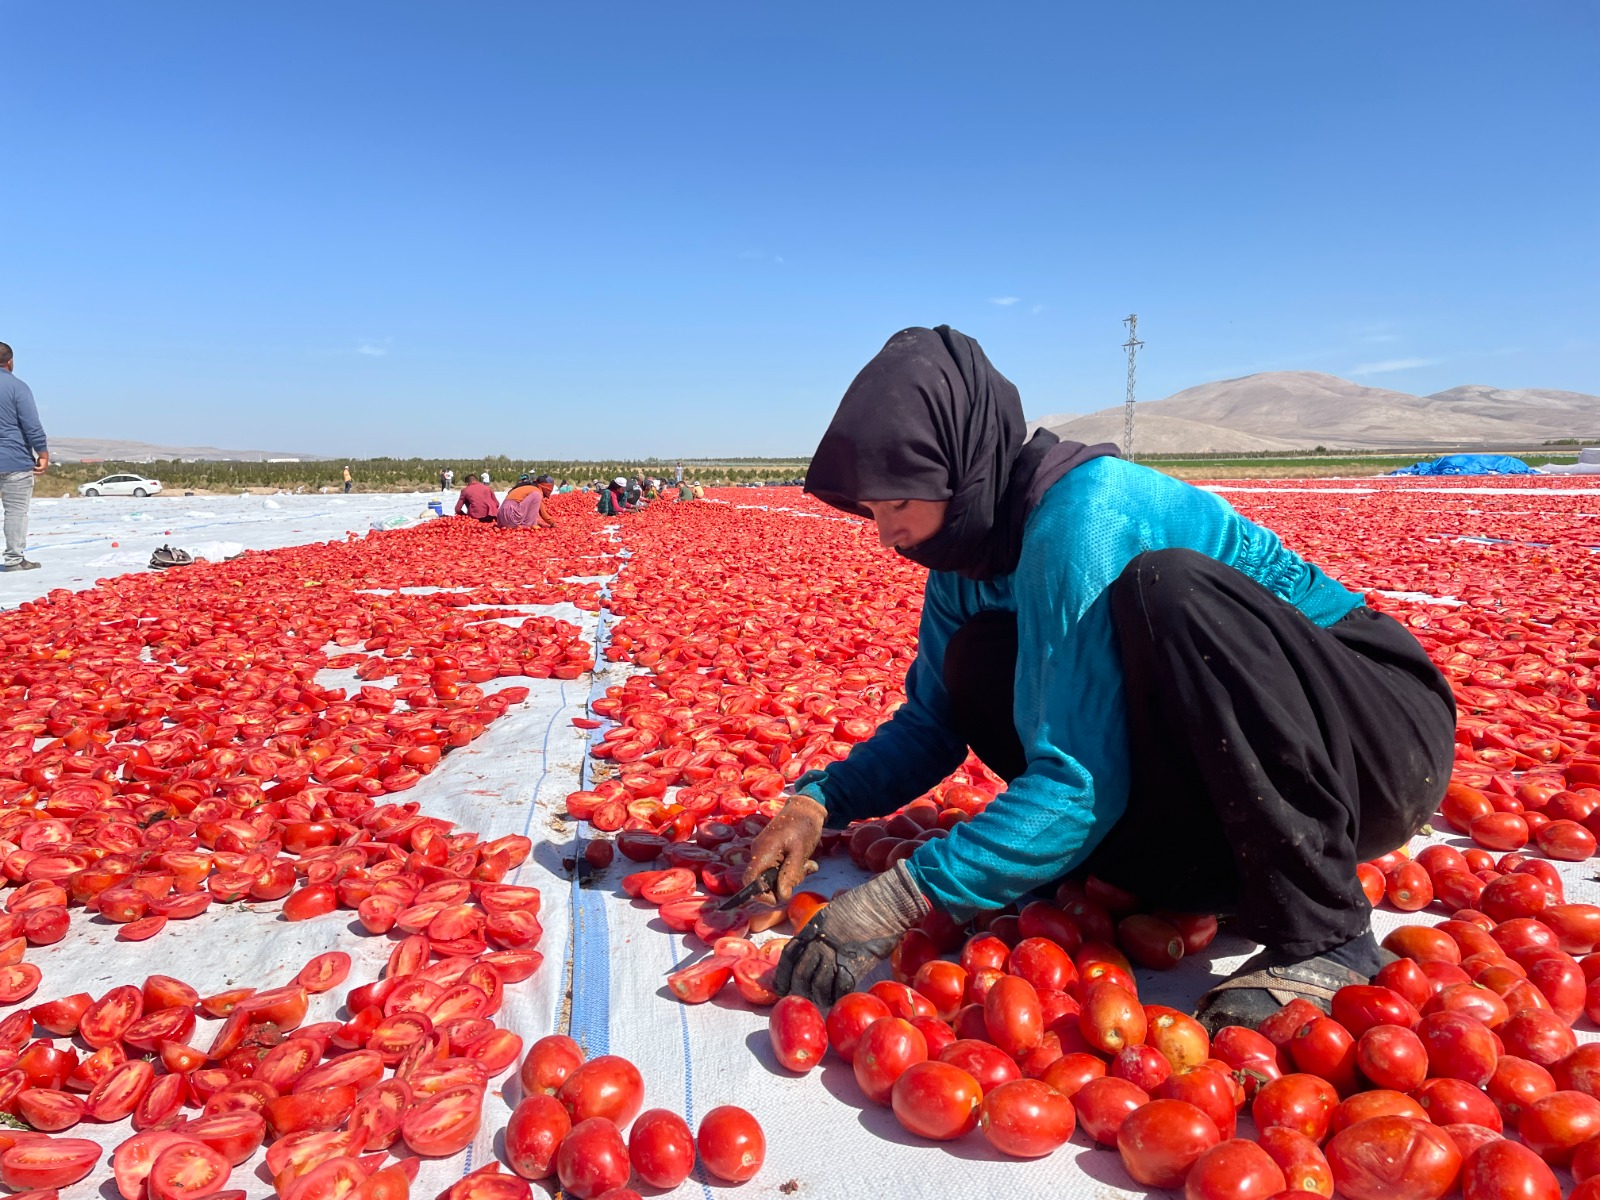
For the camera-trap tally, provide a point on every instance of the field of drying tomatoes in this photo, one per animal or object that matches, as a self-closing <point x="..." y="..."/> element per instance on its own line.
<point x="187" y="756"/>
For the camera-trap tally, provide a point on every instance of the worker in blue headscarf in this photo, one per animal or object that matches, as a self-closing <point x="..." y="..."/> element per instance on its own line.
<point x="1177" y="702"/>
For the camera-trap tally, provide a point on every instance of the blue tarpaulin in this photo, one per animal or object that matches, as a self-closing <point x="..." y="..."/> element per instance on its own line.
<point x="1469" y="464"/>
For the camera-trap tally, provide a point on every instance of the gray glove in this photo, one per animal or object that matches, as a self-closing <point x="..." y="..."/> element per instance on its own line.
<point x="848" y="937"/>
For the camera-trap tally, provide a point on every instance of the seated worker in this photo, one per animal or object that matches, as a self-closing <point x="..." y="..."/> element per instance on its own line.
<point x="1178" y="702"/>
<point x="614" y="499"/>
<point x="523" y="507"/>
<point x="634" y="493"/>
<point x="477" y="500"/>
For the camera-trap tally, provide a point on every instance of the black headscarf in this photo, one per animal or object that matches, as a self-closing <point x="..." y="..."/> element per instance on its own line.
<point x="931" y="419"/>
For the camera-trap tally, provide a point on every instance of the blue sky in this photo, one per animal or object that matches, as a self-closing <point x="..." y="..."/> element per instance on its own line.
<point x="679" y="229"/>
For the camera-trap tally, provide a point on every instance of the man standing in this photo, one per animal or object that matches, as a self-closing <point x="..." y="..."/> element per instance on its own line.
<point x="23" y="454"/>
<point x="347" y="479"/>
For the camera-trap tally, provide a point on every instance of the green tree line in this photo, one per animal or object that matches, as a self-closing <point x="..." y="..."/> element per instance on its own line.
<point x="408" y="474"/>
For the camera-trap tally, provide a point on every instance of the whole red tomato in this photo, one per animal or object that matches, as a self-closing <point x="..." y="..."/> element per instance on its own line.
<point x="1554" y="1126"/>
<point x="1304" y="1166"/>
<point x="592" y="1159"/>
<point x="533" y="1135"/>
<point x="1012" y="1015"/>
<point x="1303" y="1103"/>
<point x="661" y="1148"/>
<point x="1026" y="1118"/>
<point x="798" y="1033"/>
<point x="1112" y="1018"/>
<point x="936" y="1100"/>
<point x="1234" y="1170"/>
<point x="1210" y="1091"/>
<point x="731" y="1143"/>
<point x="1392" y="1056"/>
<point x="886" y="1049"/>
<point x="1162" y="1140"/>
<point x="1104" y="1104"/>
<point x="849" y="1018"/>
<point x="549" y="1062"/>
<point x="1459" y="1047"/>
<point x="1393" y="1158"/>
<point x="609" y="1086"/>
<point x="1504" y="1170"/>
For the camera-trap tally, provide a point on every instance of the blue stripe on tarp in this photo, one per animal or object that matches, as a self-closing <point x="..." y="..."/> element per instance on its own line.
<point x="589" y="951"/>
<point x="591" y="974"/>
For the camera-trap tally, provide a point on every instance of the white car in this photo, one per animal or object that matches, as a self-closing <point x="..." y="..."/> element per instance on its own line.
<point x="121" y="485"/>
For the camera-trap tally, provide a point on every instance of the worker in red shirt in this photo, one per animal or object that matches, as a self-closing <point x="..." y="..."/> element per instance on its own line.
<point x="477" y="501"/>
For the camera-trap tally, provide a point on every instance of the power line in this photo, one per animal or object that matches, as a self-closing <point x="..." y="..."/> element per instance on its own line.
<point x="1132" y="347"/>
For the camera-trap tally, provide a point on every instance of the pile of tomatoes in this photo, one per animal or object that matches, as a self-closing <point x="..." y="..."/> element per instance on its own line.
<point x="570" y="1125"/>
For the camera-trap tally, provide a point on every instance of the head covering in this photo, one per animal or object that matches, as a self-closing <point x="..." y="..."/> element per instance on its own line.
<point x="525" y="478"/>
<point x="619" y="481"/>
<point x="930" y="418"/>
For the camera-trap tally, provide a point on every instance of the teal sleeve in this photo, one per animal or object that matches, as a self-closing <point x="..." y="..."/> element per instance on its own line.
<point x="916" y="747"/>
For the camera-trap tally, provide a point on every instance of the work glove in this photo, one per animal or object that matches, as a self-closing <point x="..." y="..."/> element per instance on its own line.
<point x="849" y="936"/>
<point x="788" y="842"/>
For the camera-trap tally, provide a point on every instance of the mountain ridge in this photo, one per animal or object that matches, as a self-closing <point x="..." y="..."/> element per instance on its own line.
<point x="1301" y="410"/>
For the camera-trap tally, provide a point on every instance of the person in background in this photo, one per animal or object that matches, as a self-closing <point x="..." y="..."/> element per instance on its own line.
<point x="635" y="492"/>
<point x="347" y="479"/>
<point x="696" y="491"/>
<point x="614" y="499"/>
<point x="23" y="457"/>
<point x="564" y="487"/>
<point x="523" y="507"/>
<point x="678" y="477"/>
<point x="477" y="500"/>
<point x="444" y="479"/>
<point x="484" y="475"/>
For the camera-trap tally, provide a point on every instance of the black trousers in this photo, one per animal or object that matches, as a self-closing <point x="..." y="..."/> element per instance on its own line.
<point x="1269" y="755"/>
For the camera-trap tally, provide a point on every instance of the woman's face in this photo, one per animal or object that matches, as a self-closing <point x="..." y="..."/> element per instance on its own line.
<point x="903" y="524"/>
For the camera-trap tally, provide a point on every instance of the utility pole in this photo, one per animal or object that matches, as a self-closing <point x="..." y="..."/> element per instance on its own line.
<point x="1132" y="347"/>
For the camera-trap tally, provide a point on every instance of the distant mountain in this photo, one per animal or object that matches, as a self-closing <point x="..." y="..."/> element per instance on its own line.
<point x="1299" y="410"/>
<point x="68" y="449"/>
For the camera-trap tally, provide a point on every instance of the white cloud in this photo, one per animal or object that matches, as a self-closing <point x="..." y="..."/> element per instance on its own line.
<point x="1036" y="309"/>
<point x="1004" y="301"/>
<point x="374" y="349"/>
<point x="1392" y="364"/>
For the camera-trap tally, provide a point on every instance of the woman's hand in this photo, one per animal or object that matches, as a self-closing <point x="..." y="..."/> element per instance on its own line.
<point x="788" y="842"/>
<point x="849" y="936"/>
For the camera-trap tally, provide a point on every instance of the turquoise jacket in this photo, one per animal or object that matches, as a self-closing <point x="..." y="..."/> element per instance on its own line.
<point x="1069" y="706"/>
